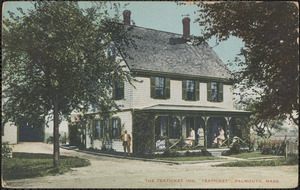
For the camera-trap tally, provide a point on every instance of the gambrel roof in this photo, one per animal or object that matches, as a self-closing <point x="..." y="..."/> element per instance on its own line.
<point x="159" y="51"/>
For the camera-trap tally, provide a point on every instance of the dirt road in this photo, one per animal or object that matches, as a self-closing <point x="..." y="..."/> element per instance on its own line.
<point x="106" y="172"/>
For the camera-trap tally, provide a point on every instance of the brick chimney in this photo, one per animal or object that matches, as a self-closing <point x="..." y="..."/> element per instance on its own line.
<point x="186" y="28"/>
<point x="126" y="17"/>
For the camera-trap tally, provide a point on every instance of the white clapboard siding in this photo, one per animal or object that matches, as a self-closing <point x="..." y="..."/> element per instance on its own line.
<point x="141" y="95"/>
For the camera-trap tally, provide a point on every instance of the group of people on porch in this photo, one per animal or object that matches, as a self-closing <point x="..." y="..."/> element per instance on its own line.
<point x="195" y="138"/>
<point x="191" y="139"/>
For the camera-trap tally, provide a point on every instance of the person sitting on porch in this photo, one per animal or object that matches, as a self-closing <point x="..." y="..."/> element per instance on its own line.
<point x="221" y="136"/>
<point x="200" y="133"/>
<point x="191" y="138"/>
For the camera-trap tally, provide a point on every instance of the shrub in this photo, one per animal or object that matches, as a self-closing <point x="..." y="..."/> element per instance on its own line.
<point x="266" y="149"/>
<point x="187" y="153"/>
<point x="251" y="144"/>
<point x="6" y="150"/>
<point x="103" y="148"/>
<point x="168" y="153"/>
<point x="204" y="152"/>
<point x="63" y="138"/>
<point x="235" y="149"/>
<point x="174" y="153"/>
<point x="272" y="147"/>
<point x="49" y="140"/>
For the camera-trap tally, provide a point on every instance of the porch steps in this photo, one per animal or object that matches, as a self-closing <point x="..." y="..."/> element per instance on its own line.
<point x="216" y="152"/>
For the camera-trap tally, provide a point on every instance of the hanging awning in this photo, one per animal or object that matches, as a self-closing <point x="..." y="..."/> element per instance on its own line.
<point x="202" y="110"/>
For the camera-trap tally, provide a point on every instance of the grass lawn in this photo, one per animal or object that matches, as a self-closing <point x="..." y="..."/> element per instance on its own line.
<point x="27" y="165"/>
<point x="189" y="158"/>
<point x="246" y="155"/>
<point x="277" y="162"/>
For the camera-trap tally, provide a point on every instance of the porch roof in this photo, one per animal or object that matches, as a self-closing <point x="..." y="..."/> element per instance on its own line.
<point x="204" y="110"/>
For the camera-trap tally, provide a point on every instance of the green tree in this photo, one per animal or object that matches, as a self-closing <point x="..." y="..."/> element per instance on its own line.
<point x="55" y="61"/>
<point x="262" y="126"/>
<point x="270" y="32"/>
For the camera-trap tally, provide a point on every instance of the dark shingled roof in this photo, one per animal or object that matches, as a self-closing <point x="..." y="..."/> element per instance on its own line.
<point x="166" y="52"/>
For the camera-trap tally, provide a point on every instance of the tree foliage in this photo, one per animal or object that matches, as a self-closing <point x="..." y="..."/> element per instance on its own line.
<point x="54" y="60"/>
<point x="270" y="32"/>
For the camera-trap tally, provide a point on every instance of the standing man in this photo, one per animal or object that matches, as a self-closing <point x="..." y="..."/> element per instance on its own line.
<point x="126" y="139"/>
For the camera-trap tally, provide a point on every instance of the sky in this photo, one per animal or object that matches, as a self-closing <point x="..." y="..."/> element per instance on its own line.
<point x="165" y="16"/>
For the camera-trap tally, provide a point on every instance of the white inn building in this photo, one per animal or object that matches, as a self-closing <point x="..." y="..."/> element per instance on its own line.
<point x="183" y="85"/>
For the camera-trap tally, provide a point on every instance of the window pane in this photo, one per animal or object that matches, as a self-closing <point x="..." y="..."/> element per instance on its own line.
<point x="160" y="85"/>
<point x="190" y="88"/>
<point x="97" y="128"/>
<point x="115" y="128"/>
<point x="214" y="91"/>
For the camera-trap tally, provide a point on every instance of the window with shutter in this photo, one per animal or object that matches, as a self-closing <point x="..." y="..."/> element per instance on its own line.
<point x="118" y="91"/>
<point x="97" y="129"/>
<point x="214" y="91"/>
<point x="160" y="87"/>
<point x="116" y="128"/>
<point x="190" y="89"/>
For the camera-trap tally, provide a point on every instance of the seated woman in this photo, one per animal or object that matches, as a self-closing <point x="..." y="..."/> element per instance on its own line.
<point x="221" y="136"/>
<point x="191" y="138"/>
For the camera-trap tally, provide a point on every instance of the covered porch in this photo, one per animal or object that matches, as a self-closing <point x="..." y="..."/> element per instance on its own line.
<point x="187" y="128"/>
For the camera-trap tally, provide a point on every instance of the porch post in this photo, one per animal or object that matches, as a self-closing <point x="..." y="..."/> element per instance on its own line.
<point x="168" y="134"/>
<point x="153" y="130"/>
<point x="228" y="132"/>
<point x="180" y="118"/>
<point x="205" y="131"/>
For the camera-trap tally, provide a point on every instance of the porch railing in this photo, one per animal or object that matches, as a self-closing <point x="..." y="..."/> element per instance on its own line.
<point x="180" y="144"/>
<point x="230" y="141"/>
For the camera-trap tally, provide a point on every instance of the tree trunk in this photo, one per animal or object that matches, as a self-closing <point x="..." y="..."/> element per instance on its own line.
<point x="56" y="136"/>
